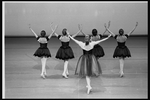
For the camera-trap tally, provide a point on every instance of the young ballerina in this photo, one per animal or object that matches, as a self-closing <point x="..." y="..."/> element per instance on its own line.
<point x="65" y="52"/>
<point x="98" y="51"/>
<point x="43" y="52"/>
<point x="87" y="65"/>
<point x="121" y="50"/>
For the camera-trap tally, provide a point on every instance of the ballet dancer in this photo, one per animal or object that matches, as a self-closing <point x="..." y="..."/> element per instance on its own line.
<point x="98" y="51"/>
<point x="121" y="50"/>
<point x="65" y="52"/>
<point x="87" y="65"/>
<point x="43" y="52"/>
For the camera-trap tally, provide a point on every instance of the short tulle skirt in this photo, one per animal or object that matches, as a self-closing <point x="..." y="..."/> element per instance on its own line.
<point x="98" y="51"/>
<point x="122" y="51"/>
<point x="42" y="52"/>
<point x="88" y="65"/>
<point x="64" y="53"/>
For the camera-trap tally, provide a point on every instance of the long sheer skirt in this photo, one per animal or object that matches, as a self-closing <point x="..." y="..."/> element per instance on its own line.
<point x="88" y="65"/>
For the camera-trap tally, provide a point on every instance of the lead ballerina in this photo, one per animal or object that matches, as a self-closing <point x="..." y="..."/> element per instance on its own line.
<point x="87" y="65"/>
<point x="98" y="50"/>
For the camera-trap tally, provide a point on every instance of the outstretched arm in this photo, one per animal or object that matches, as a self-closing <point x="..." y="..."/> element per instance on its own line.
<point x="133" y="29"/>
<point x="109" y="30"/>
<point x="78" y="42"/>
<point x="53" y="31"/>
<point x="106" y="29"/>
<point x="96" y="42"/>
<point x="33" y="31"/>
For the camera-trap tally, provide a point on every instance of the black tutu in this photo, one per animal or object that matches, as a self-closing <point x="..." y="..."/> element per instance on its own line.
<point x="40" y="52"/>
<point x="88" y="65"/>
<point x="64" y="53"/>
<point x="98" y="51"/>
<point x="121" y="51"/>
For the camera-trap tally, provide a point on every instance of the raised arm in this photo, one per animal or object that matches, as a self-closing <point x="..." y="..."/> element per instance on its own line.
<point x="106" y="29"/>
<point x="80" y="28"/>
<point x="53" y="31"/>
<point x="33" y="31"/>
<point x="76" y="34"/>
<point x="56" y="34"/>
<point x="133" y="29"/>
<point x="96" y="42"/>
<point x="78" y="31"/>
<point x="109" y="30"/>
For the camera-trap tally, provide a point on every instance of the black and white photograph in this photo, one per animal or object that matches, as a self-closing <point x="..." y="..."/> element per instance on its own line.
<point x="75" y="49"/>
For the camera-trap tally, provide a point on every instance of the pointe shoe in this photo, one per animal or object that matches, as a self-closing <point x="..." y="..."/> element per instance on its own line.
<point x="43" y="76"/>
<point x="64" y="76"/>
<point x="89" y="89"/>
<point x="67" y="74"/>
<point x="121" y="75"/>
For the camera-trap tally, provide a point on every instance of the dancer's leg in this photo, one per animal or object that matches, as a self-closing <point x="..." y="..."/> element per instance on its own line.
<point x="67" y="72"/>
<point x="88" y="80"/>
<point x="121" y="60"/>
<point x="43" y="60"/>
<point x="65" y="68"/>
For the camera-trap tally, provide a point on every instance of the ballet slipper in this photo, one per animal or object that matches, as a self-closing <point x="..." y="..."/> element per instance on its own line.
<point x="67" y="73"/>
<point x="122" y="74"/>
<point x="64" y="76"/>
<point x="43" y="76"/>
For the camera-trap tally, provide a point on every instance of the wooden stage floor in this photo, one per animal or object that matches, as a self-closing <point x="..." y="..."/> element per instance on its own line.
<point x="22" y="71"/>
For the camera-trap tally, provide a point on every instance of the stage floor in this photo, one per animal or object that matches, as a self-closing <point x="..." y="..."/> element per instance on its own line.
<point x="22" y="71"/>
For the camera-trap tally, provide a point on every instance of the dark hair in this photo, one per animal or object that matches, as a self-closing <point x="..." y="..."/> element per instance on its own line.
<point x="121" y="31"/>
<point x="94" y="32"/>
<point x="87" y="43"/>
<point x="64" y="31"/>
<point x="43" y="33"/>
